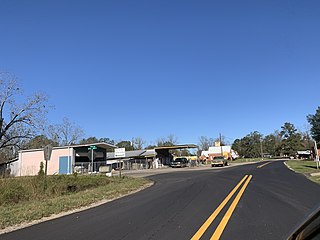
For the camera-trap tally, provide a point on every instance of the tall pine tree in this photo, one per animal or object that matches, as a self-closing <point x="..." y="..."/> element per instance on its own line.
<point x="314" y="120"/>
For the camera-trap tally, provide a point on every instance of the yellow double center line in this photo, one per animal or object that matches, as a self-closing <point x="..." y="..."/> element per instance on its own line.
<point x="224" y="221"/>
<point x="260" y="166"/>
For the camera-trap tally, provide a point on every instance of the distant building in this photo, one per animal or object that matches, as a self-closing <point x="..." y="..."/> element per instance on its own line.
<point x="304" y="154"/>
<point x="225" y="151"/>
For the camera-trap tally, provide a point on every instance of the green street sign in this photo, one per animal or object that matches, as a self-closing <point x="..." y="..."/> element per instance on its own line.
<point x="92" y="148"/>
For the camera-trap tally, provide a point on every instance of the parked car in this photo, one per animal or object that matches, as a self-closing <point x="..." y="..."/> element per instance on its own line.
<point x="219" y="161"/>
<point x="179" y="162"/>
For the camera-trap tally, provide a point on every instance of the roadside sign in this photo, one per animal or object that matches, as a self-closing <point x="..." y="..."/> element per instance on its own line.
<point x="119" y="152"/>
<point x="91" y="155"/>
<point x="47" y="150"/>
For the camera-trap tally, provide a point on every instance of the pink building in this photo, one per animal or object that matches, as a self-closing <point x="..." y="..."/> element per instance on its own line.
<point x="64" y="160"/>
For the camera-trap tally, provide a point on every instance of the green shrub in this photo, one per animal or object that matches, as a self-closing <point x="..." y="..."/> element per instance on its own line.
<point x="15" y="194"/>
<point x="15" y="190"/>
<point x="41" y="170"/>
<point x="53" y="201"/>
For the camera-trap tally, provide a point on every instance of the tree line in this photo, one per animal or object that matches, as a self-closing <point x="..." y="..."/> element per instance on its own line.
<point x="284" y="142"/>
<point x="23" y="125"/>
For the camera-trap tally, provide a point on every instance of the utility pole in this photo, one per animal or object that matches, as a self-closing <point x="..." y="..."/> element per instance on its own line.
<point x="47" y="150"/>
<point x="119" y="165"/>
<point x="261" y="149"/>
<point x="220" y="139"/>
<point x="317" y="155"/>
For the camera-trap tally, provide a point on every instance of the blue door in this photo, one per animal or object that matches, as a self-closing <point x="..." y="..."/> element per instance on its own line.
<point x="65" y="165"/>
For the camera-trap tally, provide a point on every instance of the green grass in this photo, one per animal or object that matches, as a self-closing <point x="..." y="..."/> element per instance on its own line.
<point x="23" y="199"/>
<point x="306" y="168"/>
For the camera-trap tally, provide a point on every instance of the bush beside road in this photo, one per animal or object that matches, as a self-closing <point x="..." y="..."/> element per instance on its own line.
<point x="23" y="199"/>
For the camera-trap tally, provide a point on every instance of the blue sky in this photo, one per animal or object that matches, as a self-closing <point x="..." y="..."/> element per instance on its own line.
<point x="124" y="69"/>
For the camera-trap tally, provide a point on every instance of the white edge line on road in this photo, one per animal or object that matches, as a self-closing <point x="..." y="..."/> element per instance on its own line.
<point x="288" y="166"/>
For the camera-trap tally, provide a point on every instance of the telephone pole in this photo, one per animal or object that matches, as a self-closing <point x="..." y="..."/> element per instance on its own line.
<point x="220" y="139"/>
<point x="317" y="155"/>
<point x="261" y="149"/>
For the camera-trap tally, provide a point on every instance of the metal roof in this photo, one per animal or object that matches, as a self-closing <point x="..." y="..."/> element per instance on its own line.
<point x="177" y="146"/>
<point x="134" y="154"/>
<point x="99" y="144"/>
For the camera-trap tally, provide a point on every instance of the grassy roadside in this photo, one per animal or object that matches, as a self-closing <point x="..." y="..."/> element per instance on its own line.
<point x="308" y="168"/>
<point x="23" y="200"/>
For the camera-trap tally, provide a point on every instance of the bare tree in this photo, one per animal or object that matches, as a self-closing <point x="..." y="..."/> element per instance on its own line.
<point x="205" y="143"/>
<point x="52" y="132"/>
<point x="66" y="133"/>
<point x="20" y="118"/>
<point x="170" y="140"/>
<point x="306" y="140"/>
<point x="138" y="143"/>
<point x="173" y="139"/>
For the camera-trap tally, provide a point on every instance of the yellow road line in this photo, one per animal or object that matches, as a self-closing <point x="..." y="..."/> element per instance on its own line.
<point x="207" y="223"/>
<point x="216" y="235"/>
<point x="260" y="166"/>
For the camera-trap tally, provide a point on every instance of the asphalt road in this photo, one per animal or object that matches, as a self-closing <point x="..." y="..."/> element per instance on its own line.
<point x="268" y="203"/>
